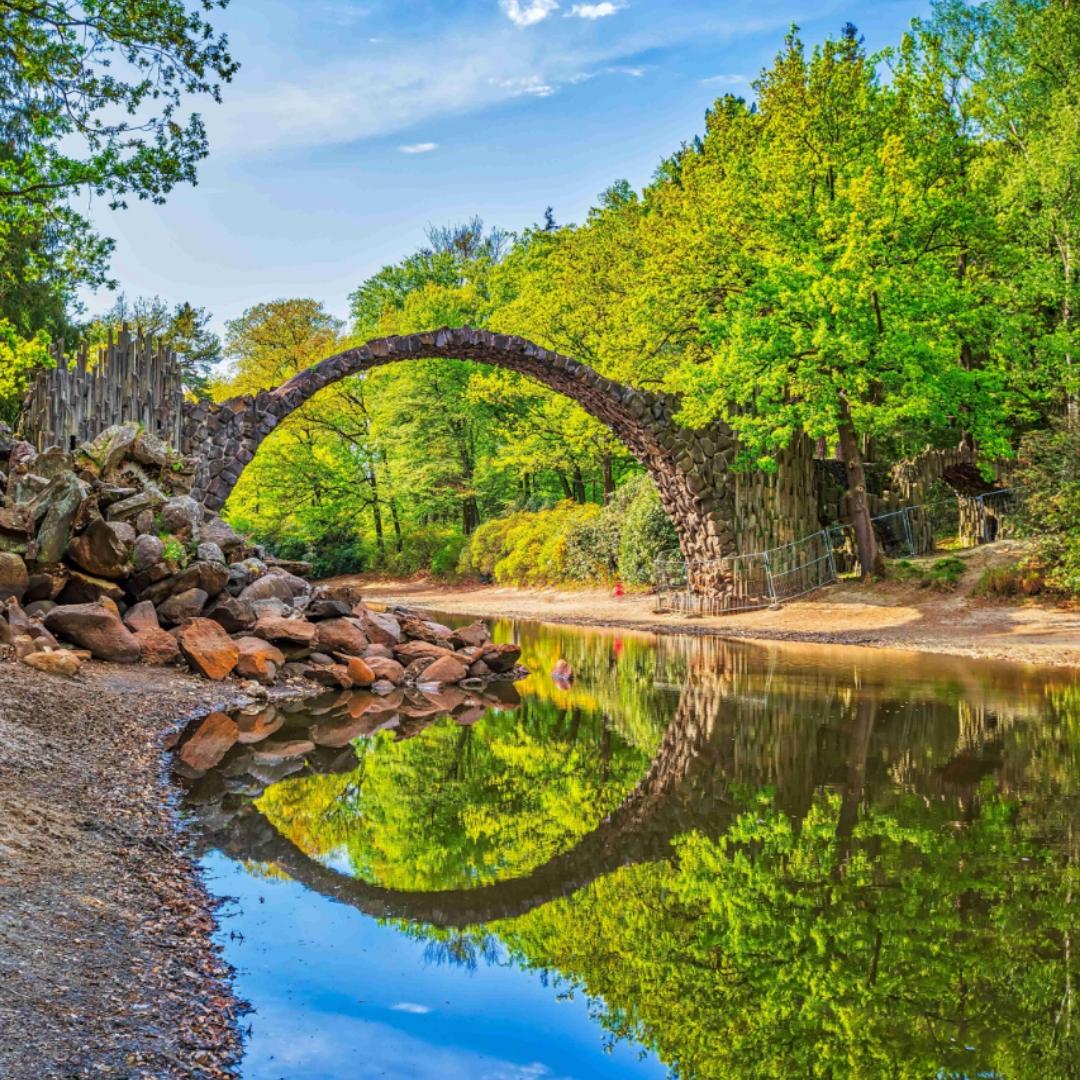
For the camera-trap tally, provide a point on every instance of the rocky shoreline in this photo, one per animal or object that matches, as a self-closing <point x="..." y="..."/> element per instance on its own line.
<point x="107" y="958"/>
<point x="104" y="555"/>
<point x="126" y="612"/>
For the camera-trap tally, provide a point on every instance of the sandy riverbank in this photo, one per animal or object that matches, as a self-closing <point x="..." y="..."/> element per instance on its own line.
<point x="107" y="965"/>
<point x="880" y="615"/>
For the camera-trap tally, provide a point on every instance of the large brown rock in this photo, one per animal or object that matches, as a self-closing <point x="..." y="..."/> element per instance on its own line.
<point x="182" y="517"/>
<point x="157" y="646"/>
<point x="336" y="676"/>
<point x="96" y="627"/>
<point x="359" y="672"/>
<point x="83" y="588"/>
<point x="269" y="586"/>
<point x="211" y="577"/>
<point x="278" y="628"/>
<point x="502" y="658"/>
<point x="185" y="605"/>
<point x="210" y="742"/>
<point x="413" y="650"/>
<point x="476" y="633"/>
<point x="447" y="669"/>
<point x="380" y="627"/>
<point x="234" y="614"/>
<point x="14" y="577"/>
<point x="102" y="550"/>
<point x="141" y="616"/>
<point x="148" y="550"/>
<point x="207" y="648"/>
<point x="382" y="668"/>
<point x="340" y="636"/>
<point x="258" y="659"/>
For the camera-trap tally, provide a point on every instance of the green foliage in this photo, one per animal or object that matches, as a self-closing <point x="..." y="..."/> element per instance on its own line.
<point x="646" y="531"/>
<point x="125" y="70"/>
<point x="93" y="98"/>
<point x="174" y="550"/>
<point x="20" y="358"/>
<point x="183" y="328"/>
<point x="1049" y="475"/>
<point x="942" y="574"/>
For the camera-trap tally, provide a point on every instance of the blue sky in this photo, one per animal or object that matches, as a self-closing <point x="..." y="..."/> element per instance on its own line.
<point x="353" y="124"/>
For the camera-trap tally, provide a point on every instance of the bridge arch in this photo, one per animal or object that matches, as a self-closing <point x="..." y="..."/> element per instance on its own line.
<point x="709" y="505"/>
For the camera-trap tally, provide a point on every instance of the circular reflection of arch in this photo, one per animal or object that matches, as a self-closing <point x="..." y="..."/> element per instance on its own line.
<point x="683" y="784"/>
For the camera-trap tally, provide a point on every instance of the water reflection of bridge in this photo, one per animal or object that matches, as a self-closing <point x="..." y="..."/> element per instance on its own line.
<point x="745" y="719"/>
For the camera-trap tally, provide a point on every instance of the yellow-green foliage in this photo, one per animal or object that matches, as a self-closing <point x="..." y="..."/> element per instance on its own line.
<point x="526" y="548"/>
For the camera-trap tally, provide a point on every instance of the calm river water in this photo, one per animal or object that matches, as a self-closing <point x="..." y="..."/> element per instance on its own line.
<point x="703" y="859"/>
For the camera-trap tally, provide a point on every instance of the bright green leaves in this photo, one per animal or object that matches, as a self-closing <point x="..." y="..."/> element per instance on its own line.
<point x="19" y="358"/>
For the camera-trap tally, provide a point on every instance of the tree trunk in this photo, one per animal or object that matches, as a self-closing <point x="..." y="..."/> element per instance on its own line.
<point x="376" y="510"/>
<point x="568" y="492"/>
<point x="865" y="541"/>
<point x="579" y="485"/>
<point x="609" y="477"/>
<point x="470" y="515"/>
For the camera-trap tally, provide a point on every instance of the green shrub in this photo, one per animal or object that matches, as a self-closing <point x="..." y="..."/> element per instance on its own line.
<point x="943" y="574"/>
<point x="646" y="533"/>
<point x="1048" y="471"/>
<point x="574" y="542"/>
<point x="592" y="548"/>
<point x="445" y="561"/>
<point x="1009" y="582"/>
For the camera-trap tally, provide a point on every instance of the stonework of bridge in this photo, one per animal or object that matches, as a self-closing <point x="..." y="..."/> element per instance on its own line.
<point x="716" y="512"/>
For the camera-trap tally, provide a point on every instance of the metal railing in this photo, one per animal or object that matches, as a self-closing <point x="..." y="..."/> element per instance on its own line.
<point x="765" y="579"/>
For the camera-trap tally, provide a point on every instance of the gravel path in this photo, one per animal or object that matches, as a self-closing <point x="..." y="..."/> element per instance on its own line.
<point x="107" y="967"/>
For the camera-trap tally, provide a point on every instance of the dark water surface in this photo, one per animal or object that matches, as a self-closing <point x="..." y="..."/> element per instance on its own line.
<point x="705" y="859"/>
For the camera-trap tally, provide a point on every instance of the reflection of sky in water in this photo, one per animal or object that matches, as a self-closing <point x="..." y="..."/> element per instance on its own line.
<point x="339" y="996"/>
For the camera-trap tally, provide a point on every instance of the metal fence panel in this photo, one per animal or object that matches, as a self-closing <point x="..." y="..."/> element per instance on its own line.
<point x="766" y="578"/>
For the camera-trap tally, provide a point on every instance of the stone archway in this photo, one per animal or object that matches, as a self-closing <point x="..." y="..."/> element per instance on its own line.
<point x="716" y="513"/>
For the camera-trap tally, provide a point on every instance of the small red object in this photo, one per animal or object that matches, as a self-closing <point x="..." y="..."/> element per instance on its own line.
<point x="618" y="590"/>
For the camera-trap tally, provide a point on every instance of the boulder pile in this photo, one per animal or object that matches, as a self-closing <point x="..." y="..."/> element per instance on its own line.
<point x="104" y="554"/>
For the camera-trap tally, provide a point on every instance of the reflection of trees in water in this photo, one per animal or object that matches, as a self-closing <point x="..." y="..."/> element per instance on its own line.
<point x="845" y="870"/>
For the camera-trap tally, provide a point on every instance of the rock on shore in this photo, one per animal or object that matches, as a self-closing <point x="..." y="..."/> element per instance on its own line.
<point x="104" y="553"/>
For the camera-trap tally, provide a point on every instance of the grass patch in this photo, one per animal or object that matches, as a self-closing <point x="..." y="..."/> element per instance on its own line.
<point x="943" y="574"/>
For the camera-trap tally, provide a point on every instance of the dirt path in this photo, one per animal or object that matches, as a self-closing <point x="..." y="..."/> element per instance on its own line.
<point x="881" y="615"/>
<point x="107" y="968"/>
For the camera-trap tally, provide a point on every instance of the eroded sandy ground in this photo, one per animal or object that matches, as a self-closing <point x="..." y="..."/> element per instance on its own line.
<point x="882" y="615"/>
<point x="107" y="967"/>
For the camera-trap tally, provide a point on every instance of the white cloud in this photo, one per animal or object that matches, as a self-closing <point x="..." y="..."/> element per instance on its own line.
<point x="394" y="90"/>
<point x="595" y="11"/>
<point x="528" y="12"/>
<point x="411" y="1007"/>
<point x="418" y="148"/>
<point x="725" y="80"/>
<point x="633" y="72"/>
<point x="528" y="84"/>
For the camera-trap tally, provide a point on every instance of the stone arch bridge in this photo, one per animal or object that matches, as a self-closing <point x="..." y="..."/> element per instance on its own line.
<point x="716" y="512"/>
